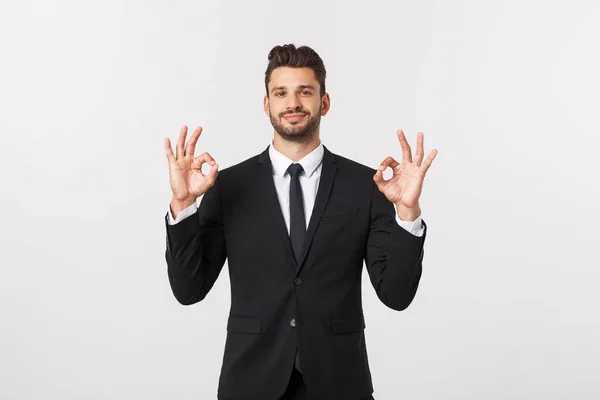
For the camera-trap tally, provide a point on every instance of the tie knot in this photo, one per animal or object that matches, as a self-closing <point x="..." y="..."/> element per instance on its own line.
<point x="295" y="169"/>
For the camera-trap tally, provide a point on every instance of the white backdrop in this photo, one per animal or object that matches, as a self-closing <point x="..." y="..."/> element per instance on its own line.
<point x="507" y="91"/>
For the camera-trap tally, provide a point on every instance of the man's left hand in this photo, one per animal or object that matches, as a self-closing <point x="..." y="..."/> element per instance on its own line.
<point x="404" y="187"/>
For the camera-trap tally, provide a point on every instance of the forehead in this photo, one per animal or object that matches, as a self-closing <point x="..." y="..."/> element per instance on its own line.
<point x="291" y="77"/>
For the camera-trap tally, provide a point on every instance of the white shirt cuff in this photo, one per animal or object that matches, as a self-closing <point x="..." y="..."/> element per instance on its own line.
<point x="183" y="214"/>
<point x="415" y="227"/>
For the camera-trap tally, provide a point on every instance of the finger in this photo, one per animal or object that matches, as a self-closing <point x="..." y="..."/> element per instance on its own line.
<point x="201" y="159"/>
<point x="420" y="152"/>
<point x="169" y="151"/>
<point x="179" y="149"/>
<point x="197" y="164"/>
<point x="389" y="162"/>
<point x="206" y="157"/>
<point x="406" y="152"/>
<point x="429" y="160"/>
<point x="191" y="146"/>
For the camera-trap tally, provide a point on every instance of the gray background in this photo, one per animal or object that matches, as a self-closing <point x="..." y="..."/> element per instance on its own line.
<point x="507" y="91"/>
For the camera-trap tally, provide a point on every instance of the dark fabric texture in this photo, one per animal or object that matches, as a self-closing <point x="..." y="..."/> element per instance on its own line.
<point x="297" y="216"/>
<point x="283" y="303"/>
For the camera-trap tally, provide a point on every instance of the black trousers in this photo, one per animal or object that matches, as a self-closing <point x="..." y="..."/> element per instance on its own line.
<point x="296" y="389"/>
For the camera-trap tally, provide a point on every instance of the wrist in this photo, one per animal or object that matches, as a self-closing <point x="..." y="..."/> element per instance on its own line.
<point x="179" y="205"/>
<point x="408" y="213"/>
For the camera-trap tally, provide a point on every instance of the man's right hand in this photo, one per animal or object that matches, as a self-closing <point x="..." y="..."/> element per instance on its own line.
<point x="185" y="172"/>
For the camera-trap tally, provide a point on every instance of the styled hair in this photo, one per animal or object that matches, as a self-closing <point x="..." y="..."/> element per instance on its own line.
<point x="290" y="56"/>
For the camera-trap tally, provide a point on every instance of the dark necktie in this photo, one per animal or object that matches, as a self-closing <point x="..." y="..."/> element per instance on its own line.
<point x="297" y="222"/>
<point x="297" y="219"/>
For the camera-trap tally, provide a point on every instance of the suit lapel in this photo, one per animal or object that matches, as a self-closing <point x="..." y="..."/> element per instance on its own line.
<point x="271" y="202"/>
<point x="328" y="171"/>
<point x="266" y="186"/>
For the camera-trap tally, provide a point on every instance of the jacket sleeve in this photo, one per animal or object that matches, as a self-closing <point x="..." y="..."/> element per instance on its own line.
<point x="393" y="256"/>
<point x="196" y="251"/>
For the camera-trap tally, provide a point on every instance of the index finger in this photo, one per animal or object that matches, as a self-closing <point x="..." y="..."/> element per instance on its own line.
<point x="389" y="162"/>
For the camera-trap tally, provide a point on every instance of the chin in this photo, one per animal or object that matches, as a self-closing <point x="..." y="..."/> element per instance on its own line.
<point x="295" y="123"/>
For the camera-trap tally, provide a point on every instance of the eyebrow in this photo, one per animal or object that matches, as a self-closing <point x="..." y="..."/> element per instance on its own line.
<point x="299" y="87"/>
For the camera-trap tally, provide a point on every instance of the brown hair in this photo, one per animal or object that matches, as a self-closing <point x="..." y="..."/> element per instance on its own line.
<point x="290" y="56"/>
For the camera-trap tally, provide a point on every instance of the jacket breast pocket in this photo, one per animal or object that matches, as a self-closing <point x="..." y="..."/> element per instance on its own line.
<point x="239" y="324"/>
<point x="339" y="212"/>
<point x="347" y="324"/>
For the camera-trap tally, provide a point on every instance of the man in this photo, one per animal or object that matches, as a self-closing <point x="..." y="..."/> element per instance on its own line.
<point x="296" y="223"/>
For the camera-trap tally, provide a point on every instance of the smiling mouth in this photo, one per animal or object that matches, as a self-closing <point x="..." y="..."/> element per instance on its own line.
<point x="294" y="117"/>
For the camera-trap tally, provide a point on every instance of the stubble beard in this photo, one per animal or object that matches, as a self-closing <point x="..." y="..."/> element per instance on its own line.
<point x="302" y="132"/>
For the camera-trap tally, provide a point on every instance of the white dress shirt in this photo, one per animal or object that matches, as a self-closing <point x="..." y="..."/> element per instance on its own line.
<point x="309" y="181"/>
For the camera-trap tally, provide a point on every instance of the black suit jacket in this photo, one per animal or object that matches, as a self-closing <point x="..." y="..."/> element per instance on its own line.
<point x="278" y="303"/>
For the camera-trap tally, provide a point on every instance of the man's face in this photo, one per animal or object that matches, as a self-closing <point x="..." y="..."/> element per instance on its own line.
<point x="294" y="104"/>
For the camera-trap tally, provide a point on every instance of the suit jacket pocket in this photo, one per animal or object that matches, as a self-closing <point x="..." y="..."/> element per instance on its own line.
<point x="240" y="324"/>
<point x="347" y="211"/>
<point x="347" y="324"/>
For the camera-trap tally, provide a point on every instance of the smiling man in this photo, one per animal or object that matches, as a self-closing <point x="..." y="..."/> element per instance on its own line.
<point x="296" y="117"/>
<point x="295" y="223"/>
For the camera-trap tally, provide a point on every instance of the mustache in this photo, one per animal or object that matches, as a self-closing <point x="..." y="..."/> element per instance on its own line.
<point x="294" y="112"/>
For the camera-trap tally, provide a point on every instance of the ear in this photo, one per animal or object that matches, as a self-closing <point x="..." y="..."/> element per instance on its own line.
<point x="266" y="105"/>
<point x="326" y="101"/>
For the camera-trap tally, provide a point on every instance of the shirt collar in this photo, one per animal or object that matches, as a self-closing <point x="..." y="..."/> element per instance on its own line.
<point x="309" y="162"/>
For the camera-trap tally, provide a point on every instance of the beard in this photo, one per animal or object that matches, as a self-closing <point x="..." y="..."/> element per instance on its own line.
<point x="299" y="132"/>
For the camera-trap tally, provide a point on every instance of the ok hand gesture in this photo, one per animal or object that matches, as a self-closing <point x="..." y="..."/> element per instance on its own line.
<point x="185" y="172"/>
<point x="404" y="187"/>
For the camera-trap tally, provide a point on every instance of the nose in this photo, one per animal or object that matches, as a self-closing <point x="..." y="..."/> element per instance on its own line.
<point x="292" y="102"/>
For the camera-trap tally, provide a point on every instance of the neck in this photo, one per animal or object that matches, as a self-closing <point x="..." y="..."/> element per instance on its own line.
<point x="295" y="151"/>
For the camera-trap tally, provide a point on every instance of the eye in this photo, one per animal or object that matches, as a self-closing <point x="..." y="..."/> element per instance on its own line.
<point x="279" y="93"/>
<point x="305" y="92"/>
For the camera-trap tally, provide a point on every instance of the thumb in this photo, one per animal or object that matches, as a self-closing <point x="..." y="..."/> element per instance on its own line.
<point x="379" y="181"/>
<point x="212" y="174"/>
<point x="378" y="177"/>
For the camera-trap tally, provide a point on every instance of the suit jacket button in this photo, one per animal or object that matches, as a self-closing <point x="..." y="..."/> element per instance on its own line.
<point x="298" y="281"/>
<point x="293" y="323"/>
